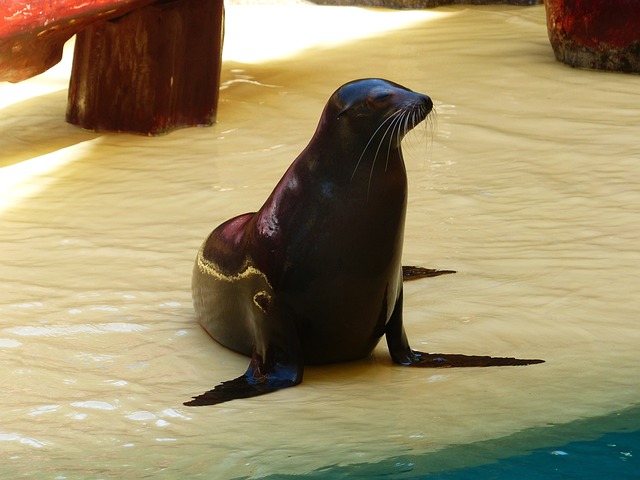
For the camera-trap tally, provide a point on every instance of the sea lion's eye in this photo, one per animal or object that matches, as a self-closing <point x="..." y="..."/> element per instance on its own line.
<point x="378" y="100"/>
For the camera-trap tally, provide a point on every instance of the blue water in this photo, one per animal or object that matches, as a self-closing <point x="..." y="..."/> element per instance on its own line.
<point x="592" y="449"/>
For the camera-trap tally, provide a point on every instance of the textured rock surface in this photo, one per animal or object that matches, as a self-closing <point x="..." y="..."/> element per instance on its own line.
<point x="600" y="34"/>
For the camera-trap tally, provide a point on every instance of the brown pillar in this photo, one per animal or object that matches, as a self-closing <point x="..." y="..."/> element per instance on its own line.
<point x="601" y="34"/>
<point x="151" y="71"/>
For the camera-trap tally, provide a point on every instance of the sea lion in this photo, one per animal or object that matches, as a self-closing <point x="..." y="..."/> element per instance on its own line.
<point x="315" y="276"/>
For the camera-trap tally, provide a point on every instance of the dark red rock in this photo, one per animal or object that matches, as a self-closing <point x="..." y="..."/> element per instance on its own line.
<point x="599" y="34"/>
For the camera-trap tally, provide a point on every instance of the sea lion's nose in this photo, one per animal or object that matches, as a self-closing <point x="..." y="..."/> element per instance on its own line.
<point x="427" y="102"/>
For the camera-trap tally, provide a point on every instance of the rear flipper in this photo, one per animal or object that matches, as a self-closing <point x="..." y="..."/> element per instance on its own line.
<point x="257" y="380"/>
<point x="443" y="360"/>
<point x="401" y="351"/>
<point x="414" y="273"/>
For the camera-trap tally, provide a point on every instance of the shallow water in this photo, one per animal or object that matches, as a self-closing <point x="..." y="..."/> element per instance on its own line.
<point x="528" y="187"/>
<point x="587" y="449"/>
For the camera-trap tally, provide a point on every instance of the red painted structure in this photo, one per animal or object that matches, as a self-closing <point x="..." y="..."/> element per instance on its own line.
<point x="600" y="34"/>
<point x="143" y="66"/>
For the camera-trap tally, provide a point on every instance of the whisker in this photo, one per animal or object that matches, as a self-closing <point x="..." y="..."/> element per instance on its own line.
<point x="417" y="115"/>
<point x="406" y="123"/>
<point x="431" y="125"/>
<point x="414" y="116"/>
<point x="369" y="142"/>
<point x="397" y="117"/>
<point x="397" y="125"/>
<point x="386" y="165"/>
<point x="412" y="121"/>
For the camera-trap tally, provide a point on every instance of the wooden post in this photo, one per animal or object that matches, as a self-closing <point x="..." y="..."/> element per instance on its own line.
<point x="151" y="71"/>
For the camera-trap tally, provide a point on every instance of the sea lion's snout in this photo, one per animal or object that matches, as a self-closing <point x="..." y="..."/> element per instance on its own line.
<point x="427" y="103"/>
<point x="418" y="106"/>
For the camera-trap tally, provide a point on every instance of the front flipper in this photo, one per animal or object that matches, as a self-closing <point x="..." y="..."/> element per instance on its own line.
<point x="276" y="362"/>
<point x="401" y="351"/>
<point x="259" y="379"/>
<point x="414" y="273"/>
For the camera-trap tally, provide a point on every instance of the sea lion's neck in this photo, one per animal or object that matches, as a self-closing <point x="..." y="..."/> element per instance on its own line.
<point x="335" y="155"/>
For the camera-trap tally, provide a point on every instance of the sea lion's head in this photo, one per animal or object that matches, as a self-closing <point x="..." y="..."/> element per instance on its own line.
<point x="374" y="107"/>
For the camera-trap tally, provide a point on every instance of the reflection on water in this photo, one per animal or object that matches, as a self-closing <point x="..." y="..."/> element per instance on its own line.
<point x="529" y="190"/>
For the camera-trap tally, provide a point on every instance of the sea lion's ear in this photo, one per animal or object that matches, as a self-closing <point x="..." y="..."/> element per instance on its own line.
<point x="344" y="104"/>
